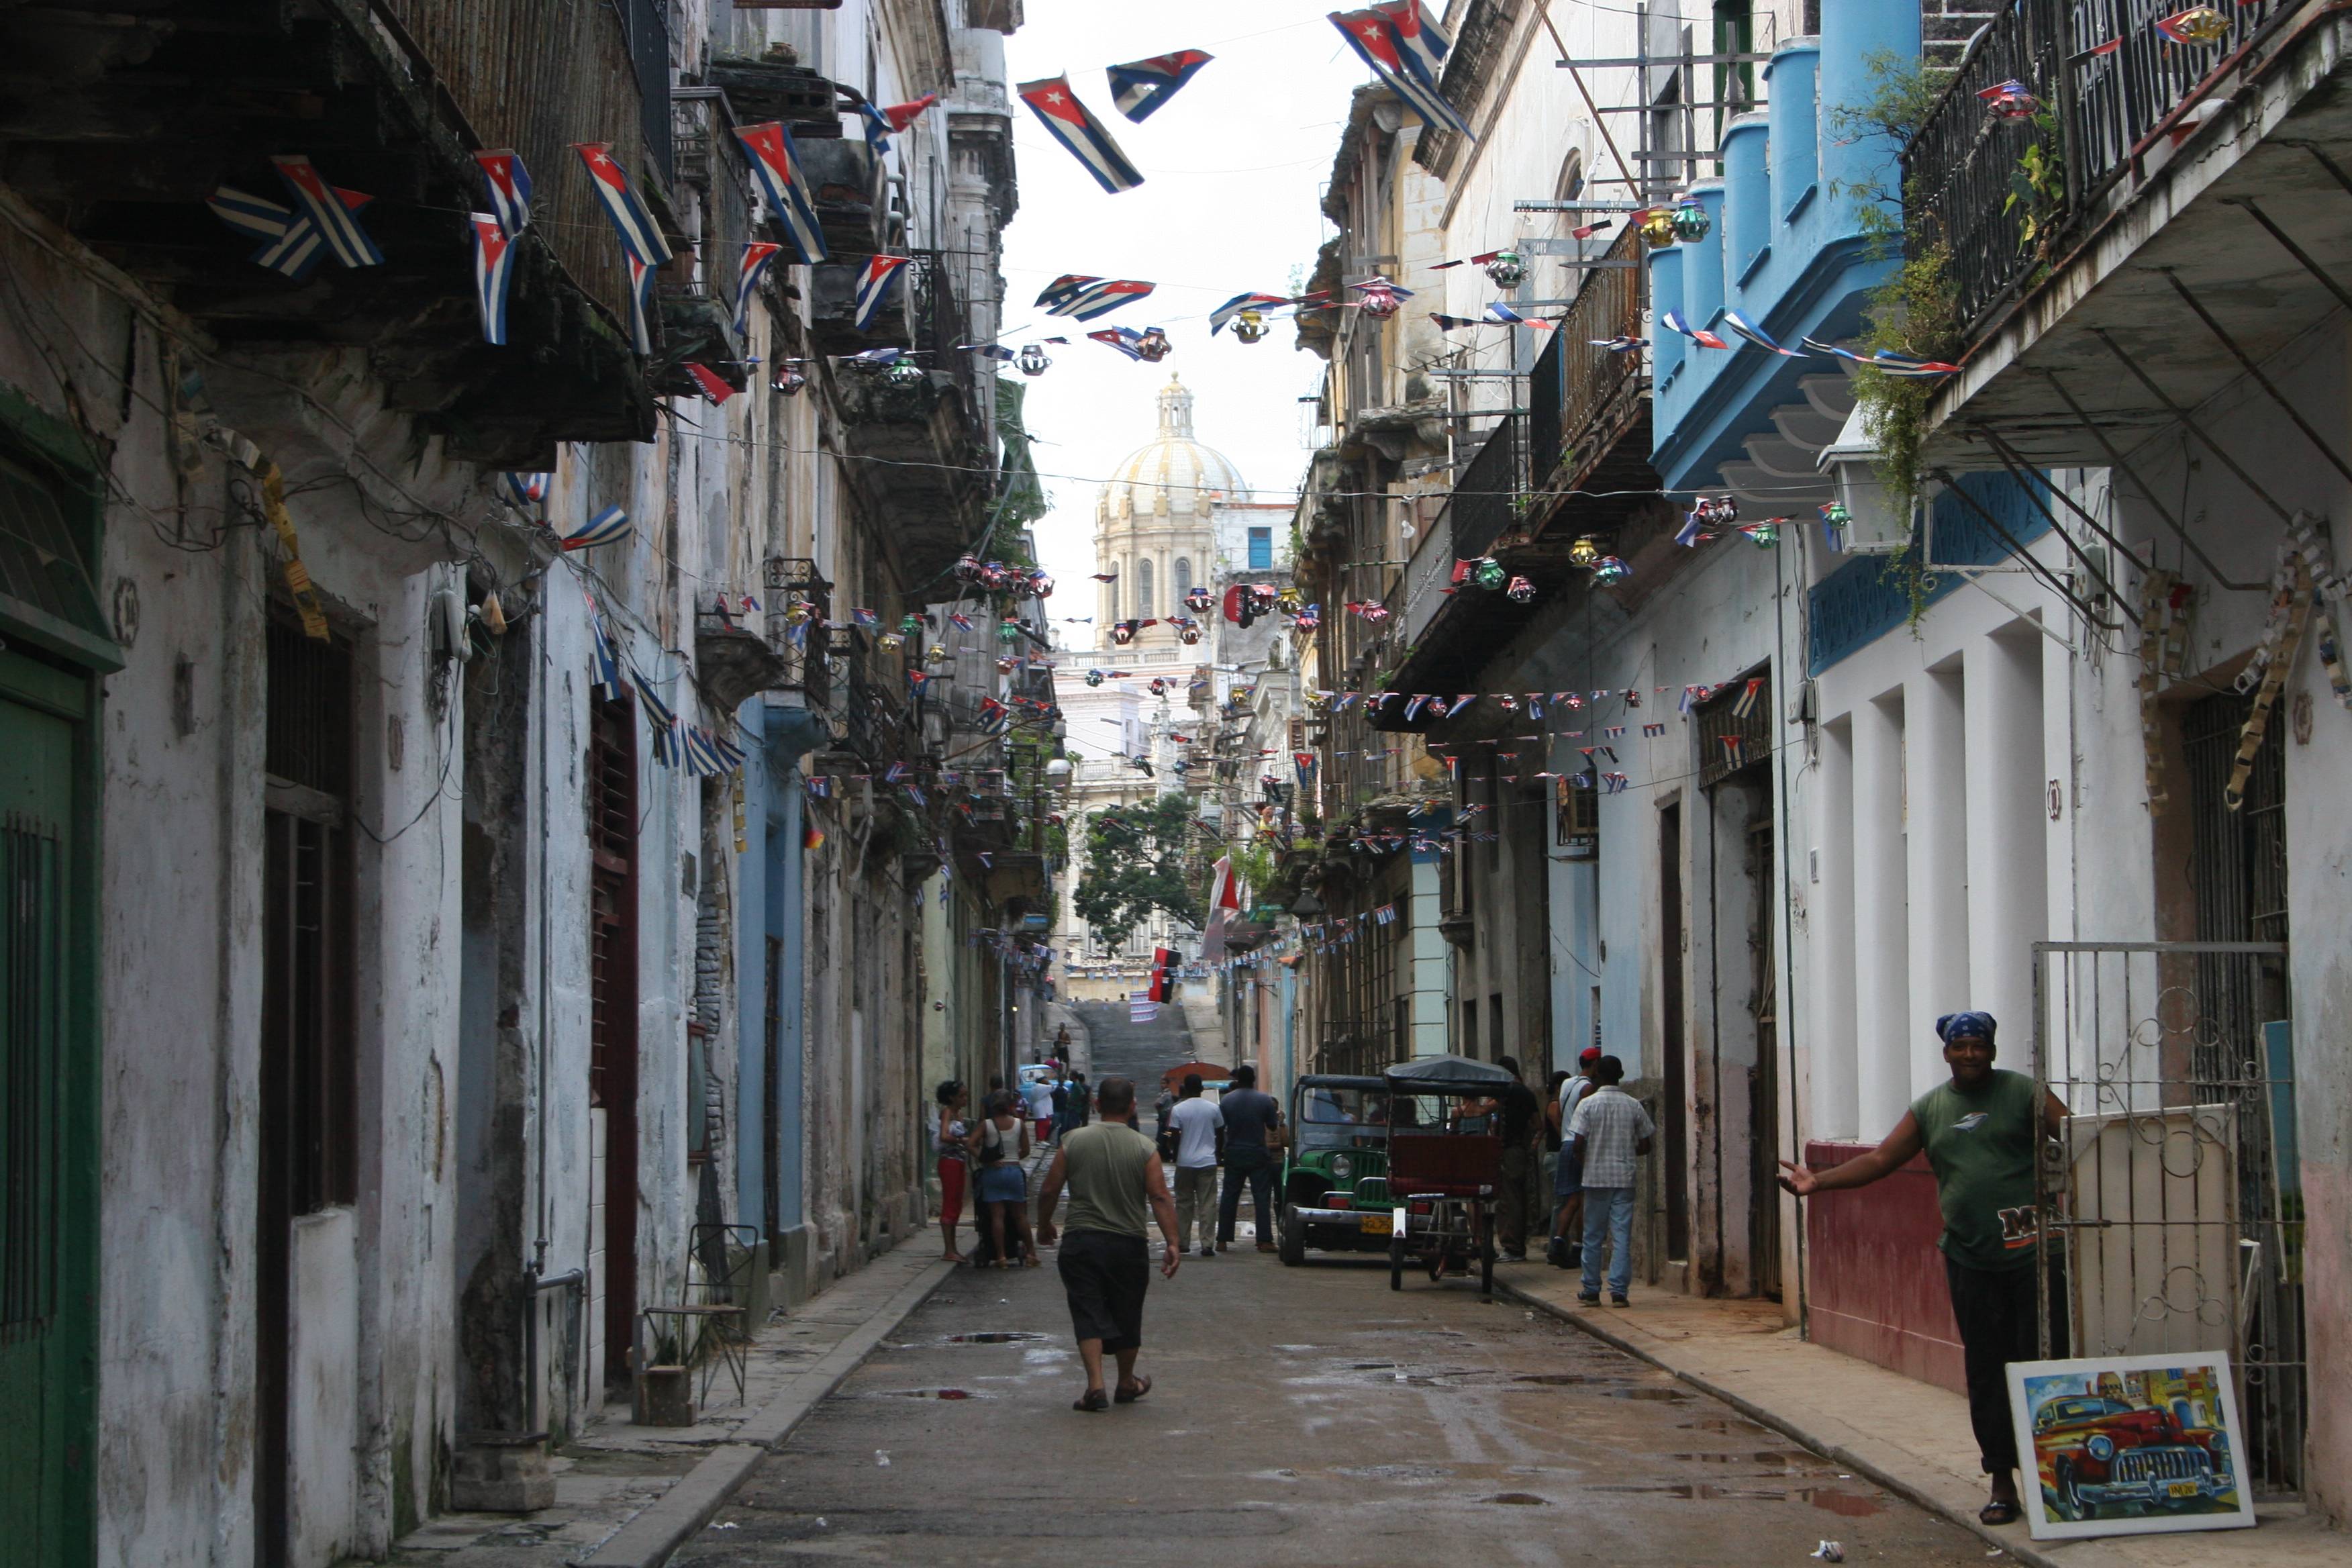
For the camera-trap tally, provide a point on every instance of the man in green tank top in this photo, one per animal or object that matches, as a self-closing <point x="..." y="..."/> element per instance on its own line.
<point x="1117" y="1186"/>
<point x="1980" y="1132"/>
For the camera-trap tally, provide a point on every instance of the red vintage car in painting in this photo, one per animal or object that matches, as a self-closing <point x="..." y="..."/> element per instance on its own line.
<point x="2094" y="1453"/>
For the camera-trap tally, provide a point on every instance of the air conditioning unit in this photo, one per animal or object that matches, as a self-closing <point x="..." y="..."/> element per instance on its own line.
<point x="1873" y="526"/>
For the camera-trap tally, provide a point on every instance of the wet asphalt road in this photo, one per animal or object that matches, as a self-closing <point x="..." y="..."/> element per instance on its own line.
<point x="1301" y="1416"/>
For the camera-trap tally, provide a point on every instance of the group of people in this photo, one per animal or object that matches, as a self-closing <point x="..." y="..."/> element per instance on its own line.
<point x="1240" y="1131"/>
<point x="989" y="1155"/>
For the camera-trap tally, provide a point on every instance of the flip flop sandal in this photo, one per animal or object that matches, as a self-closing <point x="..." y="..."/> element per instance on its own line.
<point x="1094" y="1399"/>
<point x="1143" y="1387"/>
<point x="1997" y="1513"/>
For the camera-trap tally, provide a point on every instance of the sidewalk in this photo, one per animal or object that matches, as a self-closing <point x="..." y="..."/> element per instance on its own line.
<point x="1910" y="1438"/>
<point x="625" y="1496"/>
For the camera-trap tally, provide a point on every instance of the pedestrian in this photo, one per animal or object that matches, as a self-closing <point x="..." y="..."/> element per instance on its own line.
<point x="1253" y="1133"/>
<point x="1001" y="1186"/>
<point x="1038" y="1093"/>
<point x="1117" y="1186"/>
<point x="1198" y="1128"/>
<point x="1061" y="1107"/>
<point x="1980" y="1132"/>
<point x="1547" y="1174"/>
<point x="1159" y="1109"/>
<point x="1567" y="1249"/>
<point x="1082" y="1101"/>
<point x="948" y="1134"/>
<point x="1521" y="1118"/>
<point x="1609" y="1130"/>
<point x="1062" y="1045"/>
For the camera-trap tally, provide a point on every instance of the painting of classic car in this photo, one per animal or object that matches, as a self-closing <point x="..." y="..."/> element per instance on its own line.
<point x="2127" y="1445"/>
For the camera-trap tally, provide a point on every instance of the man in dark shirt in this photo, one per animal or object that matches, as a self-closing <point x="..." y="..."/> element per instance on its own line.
<point x="1514" y="1202"/>
<point x="1253" y="1124"/>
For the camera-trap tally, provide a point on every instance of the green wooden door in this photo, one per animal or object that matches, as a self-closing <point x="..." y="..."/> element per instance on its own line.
<point x="47" y="1199"/>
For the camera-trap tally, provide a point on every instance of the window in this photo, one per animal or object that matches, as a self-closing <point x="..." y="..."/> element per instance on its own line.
<point x="1143" y="600"/>
<point x="1260" y="550"/>
<point x="1183" y="577"/>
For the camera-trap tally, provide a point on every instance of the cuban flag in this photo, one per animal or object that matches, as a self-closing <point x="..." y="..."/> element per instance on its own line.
<point x="873" y="286"/>
<point x="877" y="359"/>
<point x="714" y="386"/>
<point x="1757" y="335"/>
<point x="641" y="306"/>
<point x="329" y="212"/>
<point x="1910" y="368"/>
<point x="605" y="666"/>
<point x="1125" y="340"/>
<point x="510" y="187"/>
<point x="776" y="163"/>
<point x="759" y="255"/>
<point x="606" y="527"/>
<point x="880" y="123"/>
<point x="1503" y="315"/>
<point x="1088" y="299"/>
<point x="731" y="756"/>
<point x="988" y="350"/>
<point x="1378" y="40"/>
<point x="1234" y="307"/>
<point x="291" y="245"/>
<point x="659" y="719"/>
<point x="493" y="273"/>
<point x="1076" y="128"/>
<point x="1672" y="321"/>
<point x="526" y="491"/>
<point x="1139" y="87"/>
<point x="640" y="236"/>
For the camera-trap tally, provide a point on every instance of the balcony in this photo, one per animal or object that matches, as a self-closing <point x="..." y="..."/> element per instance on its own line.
<point x="120" y="126"/>
<point x="2194" y="224"/>
<point x="875" y="718"/>
<point x="695" y="297"/>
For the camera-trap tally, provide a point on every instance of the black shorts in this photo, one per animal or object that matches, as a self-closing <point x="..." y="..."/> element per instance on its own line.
<point x="1106" y="1275"/>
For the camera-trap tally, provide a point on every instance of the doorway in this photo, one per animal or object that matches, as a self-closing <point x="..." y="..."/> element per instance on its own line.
<point x="1673" y="1043"/>
<point x="613" y="1010"/>
<point x="1764" y="1078"/>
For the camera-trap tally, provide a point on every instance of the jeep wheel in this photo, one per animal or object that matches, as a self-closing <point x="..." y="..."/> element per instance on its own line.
<point x="1396" y="1263"/>
<point x="1294" y="1236"/>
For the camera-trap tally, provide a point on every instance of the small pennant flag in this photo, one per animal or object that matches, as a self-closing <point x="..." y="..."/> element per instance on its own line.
<point x="640" y="236"/>
<point x="1140" y="87"/>
<point x="641" y="306"/>
<point x="1406" y="51"/>
<point x="510" y="187"/>
<point x="291" y="245"/>
<point x="759" y="255"/>
<point x="1076" y="128"/>
<point x="493" y="273"/>
<point x="881" y="122"/>
<point x="526" y="491"/>
<point x="1088" y="299"/>
<point x="1756" y="334"/>
<point x="1748" y="696"/>
<point x="603" y="665"/>
<point x="1620" y="344"/>
<point x="713" y="385"/>
<point x="1672" y="321"/>
<point x="1225" y="312"/>
<point x="1125" y="340"/>
<point x="874" y="286"/>
<point x="329" y="212"/>
<point x="606" y="527"/>
<point x="776" y="163"/>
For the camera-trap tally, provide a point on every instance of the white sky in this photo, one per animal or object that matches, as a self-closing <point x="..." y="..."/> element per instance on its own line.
<point x="1233" y="167"/>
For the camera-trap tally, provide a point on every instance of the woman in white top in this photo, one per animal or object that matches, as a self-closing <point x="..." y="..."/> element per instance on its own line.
<point x="1000" y="1144"/>
<point x="948" y="1135"/>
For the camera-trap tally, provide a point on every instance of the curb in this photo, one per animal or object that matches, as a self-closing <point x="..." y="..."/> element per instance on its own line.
<point x="2022" y="1549"/>
<point x="647" y="1541"/>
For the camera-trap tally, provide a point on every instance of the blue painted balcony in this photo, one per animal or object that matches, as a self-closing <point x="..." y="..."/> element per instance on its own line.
<point x="1790" y="247"/>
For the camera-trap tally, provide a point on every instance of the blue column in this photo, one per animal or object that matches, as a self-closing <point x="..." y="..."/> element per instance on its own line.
<point x="1703" y="280"/>
<point x="1854" y="167"/>
<point x="1796" y="124"/>
<point x="1746" y="202"/>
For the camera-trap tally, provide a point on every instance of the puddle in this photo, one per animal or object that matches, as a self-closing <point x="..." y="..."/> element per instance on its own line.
<point x="1844" y="1504"/>
<point x="992" y="1337"/>
<point x="1662" y="1395"/>
<point x="1561" y="1379"/>
<point x="1724" y="1424"/>
<point x="1518" y="1500"/>
<point x="1395" y="1472"/>
<point x="927" y="1394"/>
<point x="1766" y="1457"/>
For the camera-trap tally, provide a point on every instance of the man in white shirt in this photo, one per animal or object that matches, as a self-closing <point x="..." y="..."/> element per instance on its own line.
<point x="1200" y="1130"/>
<point x="1609" y="1131"/>
<point x="1566" y="1251"/>
<point x="1038" y="1093"/>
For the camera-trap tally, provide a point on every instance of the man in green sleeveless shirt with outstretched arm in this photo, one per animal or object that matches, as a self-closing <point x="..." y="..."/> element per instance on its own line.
<point x="1116" y="1183"/>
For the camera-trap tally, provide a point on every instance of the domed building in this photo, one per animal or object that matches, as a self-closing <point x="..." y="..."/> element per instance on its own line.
<point x="1156" y="524"/>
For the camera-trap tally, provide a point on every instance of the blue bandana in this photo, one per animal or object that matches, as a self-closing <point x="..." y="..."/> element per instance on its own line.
<point x="1952" y="1025"/>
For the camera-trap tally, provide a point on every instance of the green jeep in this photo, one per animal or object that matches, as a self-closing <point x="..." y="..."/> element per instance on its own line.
<point x="1334" y="1189"/>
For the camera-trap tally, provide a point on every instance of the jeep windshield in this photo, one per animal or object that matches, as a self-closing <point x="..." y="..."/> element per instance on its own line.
<point x="1334" y="1118"/>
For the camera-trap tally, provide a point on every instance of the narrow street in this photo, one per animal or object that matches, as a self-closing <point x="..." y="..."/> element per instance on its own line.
<point x="1300" y="1415"/>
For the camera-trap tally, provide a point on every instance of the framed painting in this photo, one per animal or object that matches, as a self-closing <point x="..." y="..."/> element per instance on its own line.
<point x="2129" y="1445"/>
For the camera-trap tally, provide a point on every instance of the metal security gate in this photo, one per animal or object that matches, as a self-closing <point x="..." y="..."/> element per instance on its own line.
<point x="2176" y="1187"/>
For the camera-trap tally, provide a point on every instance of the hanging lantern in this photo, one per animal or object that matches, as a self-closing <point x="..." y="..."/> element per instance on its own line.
<point x="906" y="373"/>
<point x="797" y="612"/>
<point x="1041" y="583"/>
<point x="1309" y="617"/>
<point x="1033" y="359"/>
<point x="1658" y="226"/>
<point x="1004" y="666"/>
<point x="968" y="567"/>
<point x="1585" y="551"/>
<point x="1159" y="687"/>
<point x="892" y="642"/>
<point x="910" y="624"/>
<point x="1199" y="601"/>
<point x="1506" y="271"/>
<point x="1094" y="678"/>
<point x="1286" y="601"/>
<point x="1520" y="591"/>
<point x="936" y="654"/>
<point x="2197" y="25"/>
<point x="1715" y="511"/>
<point x="1689" y="221"/>
<point x="788" y="381"/>
<point x="1488" y="573"/>
<point x="1250" y="326"/>
<point x="1764" y="535"/>
<point x="1380" y="304"/>
<point x="1189" y="634"/>
<point x="1835" y="514"/>
<point x="1153" y="345"/>
<point x="1007" y="630"/>
<point x="1610" y="571"/>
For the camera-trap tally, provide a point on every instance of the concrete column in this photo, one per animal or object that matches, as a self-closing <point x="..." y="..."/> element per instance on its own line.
<point x="2008" y="820"/>
<point x="1428" y="957"/>
<point x="1935" y="842"/>
<point x="1881" y="946"/>
<point x="1836" y="1101"/>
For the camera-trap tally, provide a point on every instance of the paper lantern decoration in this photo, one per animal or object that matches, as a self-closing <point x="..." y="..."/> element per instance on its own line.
<point x="1153" y="345"/>
<point x="1690" y="222"/>
<point x="1488" y="573"/>
<point x="1835" y="514"/>
<point x="1658" y="226"/>
<point x="1007" y="630"/>
<point x="892" y="642"/>
<point x="1004" y="666"/>
<point x="1715" y="511"/>
<point x="1380" y="304"/>
<point x="1506" y="271"/>
<point x="1763" y="535"/>
<point x="1199" y="601"/>
<point x="1309" y="617"/>
<point x="1094" y="678"/>
<point x="1586" y="551"/>
<point x="968" y="568"/>
<point x="1519" y="590"/>
<point x="1250" y="326"/>
<point x="797" y="612"/>
<point x="2197" y="25"/>
<point x="906" y="373"/>
<point x="1189" y="635"/>
<point x="936" y="654"/>
<point x="910" y="624"/>
<point x="1033" y="359"/>
<point x="1286" y="601"/>
<point x="1610" y="571"/>
<point x="789" y="381"/>
<point x="1159" y="687"/>
<point x="1041" y="583"/>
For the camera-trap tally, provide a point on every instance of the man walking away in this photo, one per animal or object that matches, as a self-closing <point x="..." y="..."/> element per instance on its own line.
<point x="1038" y="1092"/>
<point x="1522" y="1120"/>
<point x="1979" y="1132"/>
<point x="1061" y="1106"/>
<point x="1567" y="1249"/>
<point x="1609" y="1131"/>
<point x="1115" y="1179"/>
<point x="1082" y="1101"/>
<point x="1252" y="1133"/>
<point x="1199" y="1129"/>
